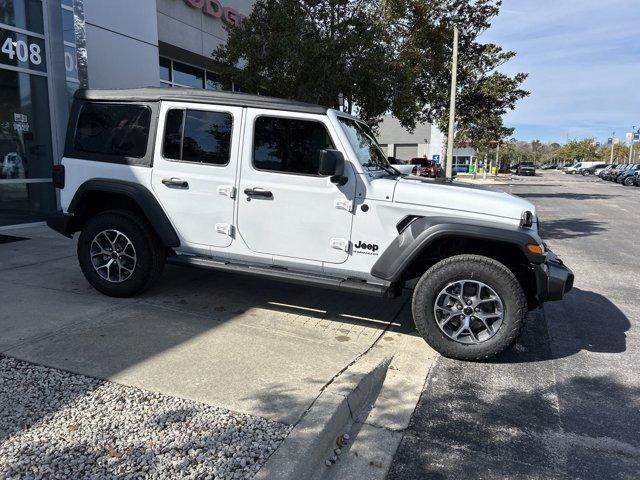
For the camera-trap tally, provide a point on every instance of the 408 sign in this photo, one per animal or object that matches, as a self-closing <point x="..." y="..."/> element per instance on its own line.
<point x="21" y="51"/>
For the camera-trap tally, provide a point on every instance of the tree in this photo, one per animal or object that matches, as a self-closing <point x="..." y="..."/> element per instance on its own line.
<point x="620" y="153"/>
<point x="380" y="56"/>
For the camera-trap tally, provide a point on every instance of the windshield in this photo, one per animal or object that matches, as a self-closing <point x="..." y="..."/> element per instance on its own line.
<point x="364" y="144"/>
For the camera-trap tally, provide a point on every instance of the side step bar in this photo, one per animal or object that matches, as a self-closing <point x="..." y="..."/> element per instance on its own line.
<point x="285" y="275"/>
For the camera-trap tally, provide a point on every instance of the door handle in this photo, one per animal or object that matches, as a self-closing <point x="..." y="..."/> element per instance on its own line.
<point x="175" y="183"/>
<point x="258" y="192"/>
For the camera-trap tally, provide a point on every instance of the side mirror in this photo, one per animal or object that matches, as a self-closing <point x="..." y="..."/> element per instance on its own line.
<point x="331" y="164"/>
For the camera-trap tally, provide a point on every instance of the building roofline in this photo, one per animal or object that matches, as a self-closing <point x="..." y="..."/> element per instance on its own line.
<point x="195" y="95"/>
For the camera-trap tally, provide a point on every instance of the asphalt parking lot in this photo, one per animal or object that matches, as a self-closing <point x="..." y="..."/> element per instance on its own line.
<point x="565" y="403"/>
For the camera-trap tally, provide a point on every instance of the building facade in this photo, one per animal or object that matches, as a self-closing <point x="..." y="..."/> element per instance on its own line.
<point x="49" y="48"/>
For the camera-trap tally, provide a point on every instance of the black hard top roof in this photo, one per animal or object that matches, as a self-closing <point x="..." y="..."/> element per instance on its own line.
<point x="196" y="95"/>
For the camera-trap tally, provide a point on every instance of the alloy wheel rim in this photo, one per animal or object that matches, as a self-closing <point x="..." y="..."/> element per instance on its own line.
<point x="113" y="256"/>
<point x="469" y="311"/>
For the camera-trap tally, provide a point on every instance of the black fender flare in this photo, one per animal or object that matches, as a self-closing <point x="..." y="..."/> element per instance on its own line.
<point x="424" y="231"/>
<point x="140" y="195"/>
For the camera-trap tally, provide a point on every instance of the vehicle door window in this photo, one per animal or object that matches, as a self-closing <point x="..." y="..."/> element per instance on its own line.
<point x="118" y="130"/>
<point x="198" y="136"/>
<point x="289" y="145"/>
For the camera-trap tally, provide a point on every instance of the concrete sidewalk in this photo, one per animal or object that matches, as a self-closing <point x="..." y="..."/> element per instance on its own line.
<point x="235" y="342"/>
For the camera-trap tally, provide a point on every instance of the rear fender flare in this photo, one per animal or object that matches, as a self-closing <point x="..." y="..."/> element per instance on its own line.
<point x="140" y="195"/>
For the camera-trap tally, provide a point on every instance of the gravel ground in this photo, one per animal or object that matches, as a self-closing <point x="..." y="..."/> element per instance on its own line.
<point x="55" y="424"/>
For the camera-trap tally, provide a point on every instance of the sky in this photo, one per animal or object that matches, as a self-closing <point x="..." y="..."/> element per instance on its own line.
<point x="583" y="60"/>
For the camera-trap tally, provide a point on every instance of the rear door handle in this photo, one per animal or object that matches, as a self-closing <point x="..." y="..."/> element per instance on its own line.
<point x="175" y="183"/>
<point x="258" y="192"/>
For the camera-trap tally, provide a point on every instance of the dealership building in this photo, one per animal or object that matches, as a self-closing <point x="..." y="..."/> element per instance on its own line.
<point x="49" y="48"/>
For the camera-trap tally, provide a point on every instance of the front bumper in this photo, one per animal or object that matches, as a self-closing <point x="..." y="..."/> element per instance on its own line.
<point x="553" y="279"/>
<point x="61" y="223"/>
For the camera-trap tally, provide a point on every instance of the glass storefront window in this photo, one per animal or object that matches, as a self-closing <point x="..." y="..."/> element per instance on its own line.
<point x="188" y="76"/>
<point x="68" y="29"/>
<point x="25" y="14"/>
<point x="25" y="147"/>
<point x="70" y="62"/>
<point x="213" y="82"/>
<point x="165" y="69"/>
<point x="20" y="50"/>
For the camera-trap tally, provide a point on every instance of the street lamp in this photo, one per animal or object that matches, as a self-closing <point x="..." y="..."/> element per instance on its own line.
<point x="452" y="106"/>
<point x="613" y="141"/>
<point x="633" y="133"/>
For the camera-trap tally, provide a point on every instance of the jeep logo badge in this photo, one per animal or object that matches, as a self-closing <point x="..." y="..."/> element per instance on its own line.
<point x="373" y="248"/>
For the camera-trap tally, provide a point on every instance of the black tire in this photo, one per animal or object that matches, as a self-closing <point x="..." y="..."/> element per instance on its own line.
<point x="628" y="181"/>
<point x="473" y="267"/>
<point x="150" y="253"/>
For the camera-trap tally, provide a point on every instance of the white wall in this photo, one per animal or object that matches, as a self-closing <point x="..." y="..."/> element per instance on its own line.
<point x="122" y="43"/>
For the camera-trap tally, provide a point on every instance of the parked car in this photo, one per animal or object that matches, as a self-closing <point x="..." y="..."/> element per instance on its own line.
<point x="636" y="179"/>
<point x="549" y="166"/>
<point x="425" y="168"/>
<point x="591" y="169"/>
<point x="288" y="191"/>
<point x="612" y="174"/>
<point x="572" y="169"/>
<point x="605" y="171"/>
<point x="526" y="168"/>
<point x="599" y="170"/>
<point x="615" y="174"/>
<point x="627" y="177"/>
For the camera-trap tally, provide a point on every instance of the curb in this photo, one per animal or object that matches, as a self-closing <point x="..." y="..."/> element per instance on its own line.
<point x="307" y="447"/>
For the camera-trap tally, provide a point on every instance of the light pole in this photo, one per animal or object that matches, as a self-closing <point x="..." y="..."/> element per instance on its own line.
<point x="633" y="133"/>
<point x="452" y="105"/>
<point x="613" y="140"/>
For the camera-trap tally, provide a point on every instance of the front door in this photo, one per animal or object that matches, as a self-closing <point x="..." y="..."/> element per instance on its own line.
<point x="284" y="207"/>
<point x="194" y="171"/>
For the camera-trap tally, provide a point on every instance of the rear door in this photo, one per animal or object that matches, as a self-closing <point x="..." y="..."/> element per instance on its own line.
<point x="194" y="170"/>
<point x="284" y="207"/>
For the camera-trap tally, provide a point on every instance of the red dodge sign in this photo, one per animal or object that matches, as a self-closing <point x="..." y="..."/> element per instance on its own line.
<point x="215" y="9"/>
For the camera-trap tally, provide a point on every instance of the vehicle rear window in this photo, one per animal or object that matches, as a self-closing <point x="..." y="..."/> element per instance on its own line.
<point x="289" y="145"/>
<point x="198" y="136"/>
<point x="118" y="130"/>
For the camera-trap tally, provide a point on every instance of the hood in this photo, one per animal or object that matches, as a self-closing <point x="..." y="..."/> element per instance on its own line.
<point x="437" y="193"/>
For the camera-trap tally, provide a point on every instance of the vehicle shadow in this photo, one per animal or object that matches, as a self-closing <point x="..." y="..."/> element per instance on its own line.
<point x="570" y="228"/>
<point x="583" y="321"/>
<point x="566" y="195"/>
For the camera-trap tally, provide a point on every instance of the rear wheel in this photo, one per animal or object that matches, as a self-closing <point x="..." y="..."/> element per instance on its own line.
<point x="119" y="253"/>
<point x="469" y="307"/>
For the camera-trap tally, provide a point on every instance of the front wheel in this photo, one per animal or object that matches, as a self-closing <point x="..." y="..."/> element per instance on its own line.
<point x="469" y="307"/>
<point x="628" y="181"/>
<point x="119" y="253"/>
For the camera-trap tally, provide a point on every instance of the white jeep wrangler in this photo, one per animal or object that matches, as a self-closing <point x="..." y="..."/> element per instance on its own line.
<point x="293" y="192"/>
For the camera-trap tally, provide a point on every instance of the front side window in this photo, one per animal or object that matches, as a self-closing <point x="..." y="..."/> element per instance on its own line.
<point x="289" y="145"/>
<point x="198" y="136"/>
<point x="113" y="129"/>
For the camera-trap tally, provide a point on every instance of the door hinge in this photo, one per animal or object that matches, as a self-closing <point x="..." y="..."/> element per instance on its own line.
<point x="227" y="190"/>
<point x="339" y="244"/>
<point x="225" y="229"/>
<point x="343" y="204"/>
